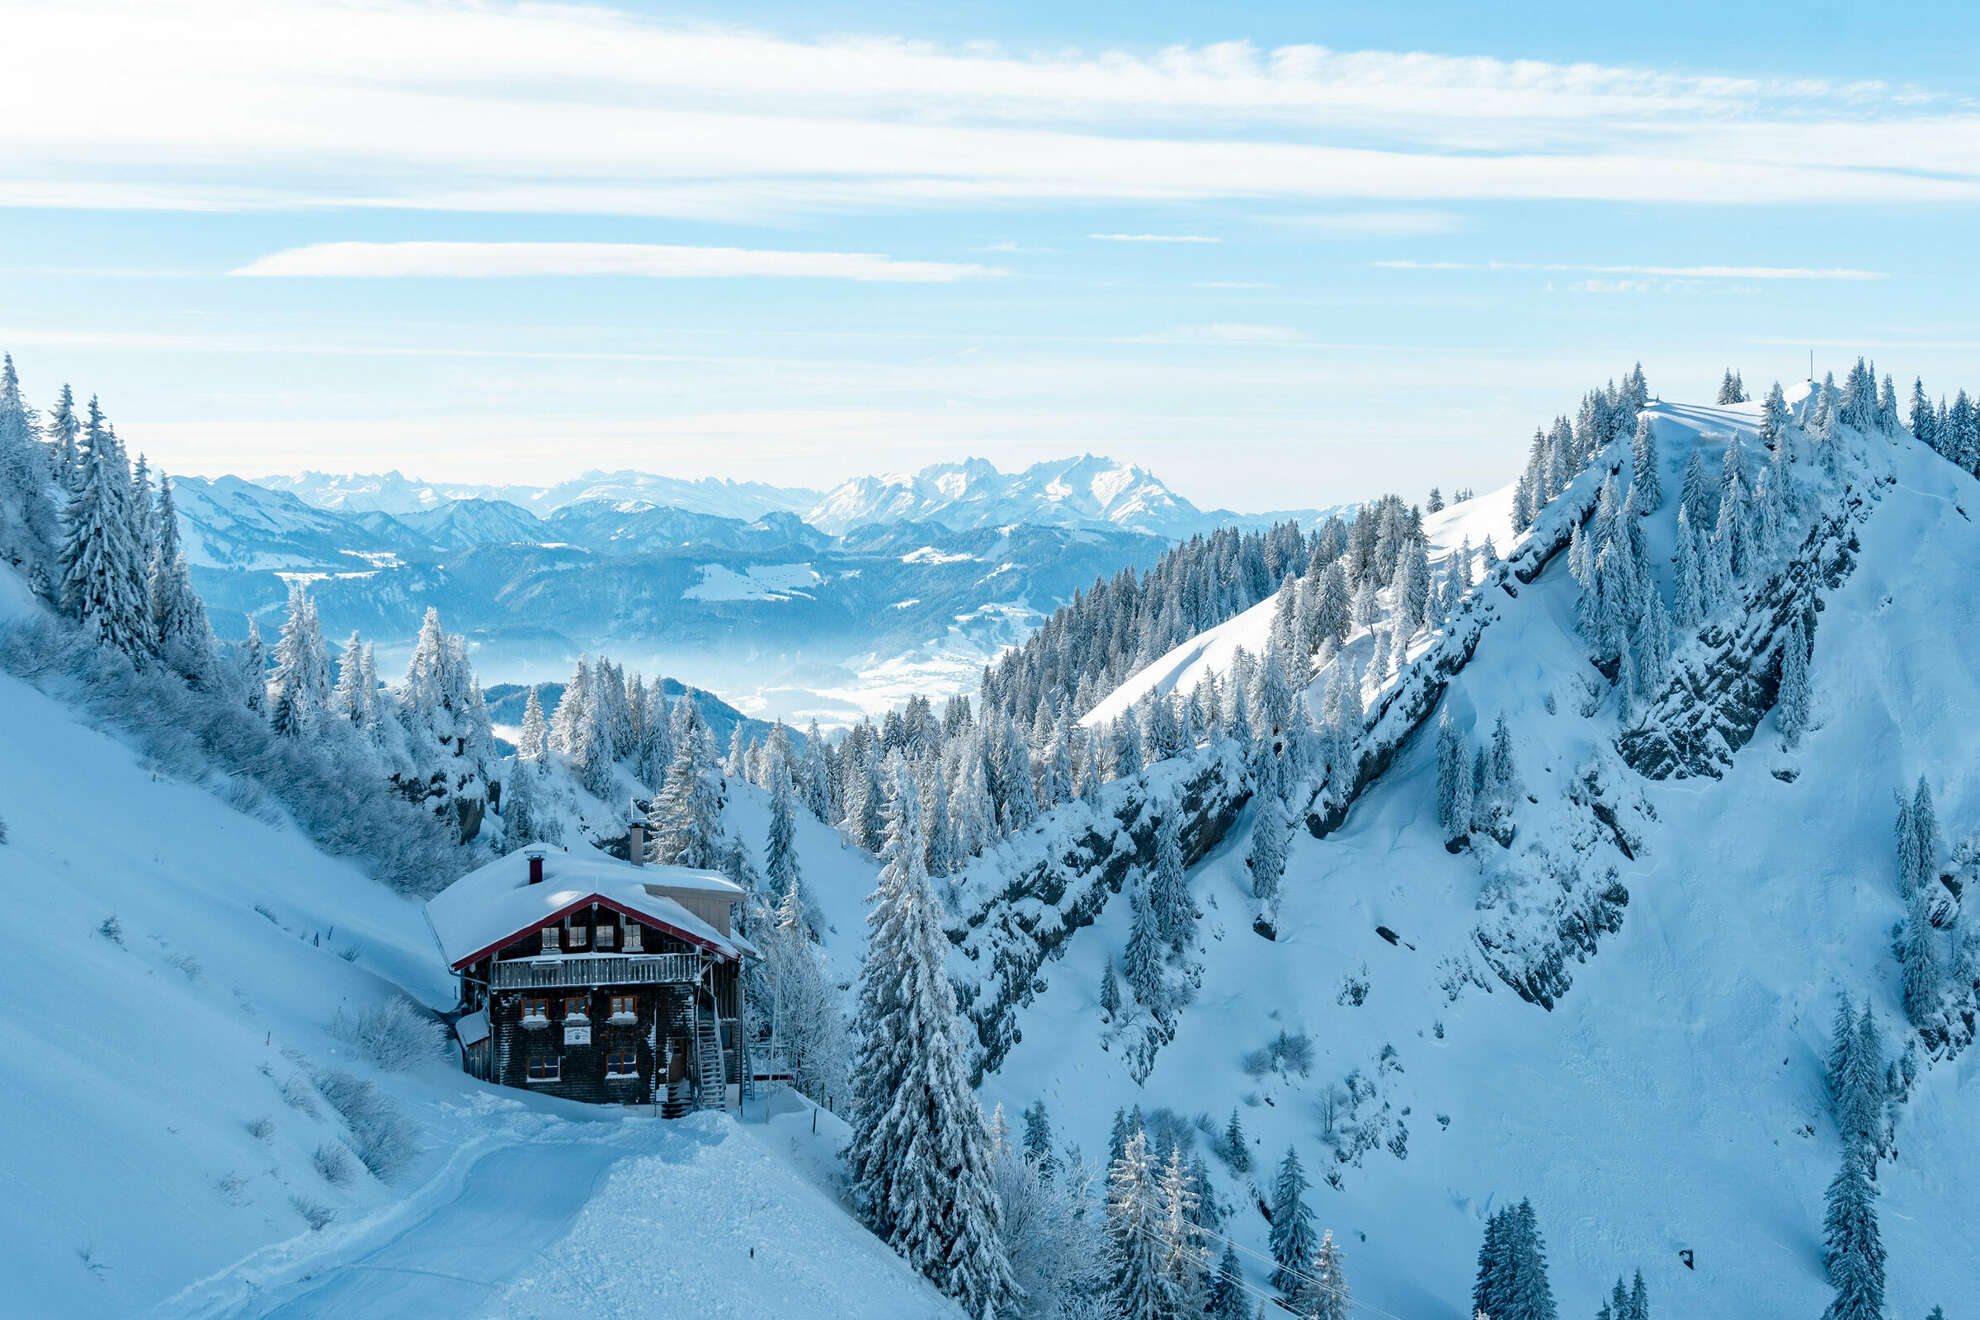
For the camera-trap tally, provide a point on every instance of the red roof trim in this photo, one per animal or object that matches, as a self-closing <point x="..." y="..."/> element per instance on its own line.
<point x="587" y="901"/>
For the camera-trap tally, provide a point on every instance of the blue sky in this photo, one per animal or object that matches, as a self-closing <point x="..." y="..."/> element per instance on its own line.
<point x="1283" y="255"/>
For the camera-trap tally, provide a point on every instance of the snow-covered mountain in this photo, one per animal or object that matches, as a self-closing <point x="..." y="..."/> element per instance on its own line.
<point x="1622" y="1010"/>
<point x="395" y="493"/>
<point x="1083" y="492"/>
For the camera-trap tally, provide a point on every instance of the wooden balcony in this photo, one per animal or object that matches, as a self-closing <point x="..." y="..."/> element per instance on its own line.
<point x="575" y="971"/>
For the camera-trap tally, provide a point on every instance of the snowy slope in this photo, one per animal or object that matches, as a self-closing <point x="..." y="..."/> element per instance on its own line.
<point x="1673" y="1097"/>
<point x="147" y="1048"/>
<point x="1211" y="651"/>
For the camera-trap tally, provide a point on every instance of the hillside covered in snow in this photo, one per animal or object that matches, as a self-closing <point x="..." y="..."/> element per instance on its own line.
<point x="1613" y="993"/>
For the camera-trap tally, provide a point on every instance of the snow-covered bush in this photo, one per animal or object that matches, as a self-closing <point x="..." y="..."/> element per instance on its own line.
<point x="333" y="1162"/>
<point x="300" y="1096"/>
<point x="261" y="1129"/>
<point x="317" y="1216"/>
<point x="395" y="1035"/>
<point x="330" y="786"/>
<point x="383" y="1137"/>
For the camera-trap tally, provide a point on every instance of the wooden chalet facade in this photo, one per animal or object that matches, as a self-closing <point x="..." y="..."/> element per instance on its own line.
<point x="598" y="979"/>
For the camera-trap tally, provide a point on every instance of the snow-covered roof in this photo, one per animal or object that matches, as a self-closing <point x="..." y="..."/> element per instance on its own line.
<point x="496" y="904"/>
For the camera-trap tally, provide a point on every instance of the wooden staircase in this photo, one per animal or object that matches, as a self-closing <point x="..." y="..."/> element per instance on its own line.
<point x="713" y="1083"/>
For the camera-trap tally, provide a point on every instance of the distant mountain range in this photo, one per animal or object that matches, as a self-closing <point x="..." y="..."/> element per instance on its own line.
<point x="395" y="493"/>
<point x="787" y="602"/>
<point x="1088" y="492"/>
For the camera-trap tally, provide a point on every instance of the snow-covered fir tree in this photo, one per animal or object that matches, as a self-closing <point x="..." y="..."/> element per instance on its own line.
<point x="1853" y="1250"/>
<point x="1292" y="1241"/>
<point x="1512" y="1268"/>
<point x="1269" y="837"/>
<point x="1792" y="701"/>
<point x="533" y="740"/>
<point x="301" y="678"/>
<point x="919" y="1160"/>
<point x="100" y="560"/>
<point x="685" y="819"/>
<point x="1329" y="1295"/>
<point x="1645" y="480"/>
<point x="782" y="871"/>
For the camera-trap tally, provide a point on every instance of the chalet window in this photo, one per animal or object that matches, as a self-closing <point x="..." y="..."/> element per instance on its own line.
<point x="605" y="937"/>
<point x="621" y="1063"/>
<point x="535" y="1012"/>
<point x="577" y="1008"/>
<point x="625" y="1008"/>
<point x="632" y="937"/>
<point x="551" y="939"/>
<point x="545" y="1067"/>
<point x="578" y="938"/>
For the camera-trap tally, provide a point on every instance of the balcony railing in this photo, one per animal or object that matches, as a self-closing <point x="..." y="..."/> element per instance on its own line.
<point x="586" y="970"/>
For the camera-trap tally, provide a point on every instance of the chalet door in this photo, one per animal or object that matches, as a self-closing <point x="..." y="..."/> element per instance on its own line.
<point x="677" y="1057"/>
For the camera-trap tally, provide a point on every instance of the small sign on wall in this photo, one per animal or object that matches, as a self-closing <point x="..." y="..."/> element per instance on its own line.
<point x="577" y="1035"/>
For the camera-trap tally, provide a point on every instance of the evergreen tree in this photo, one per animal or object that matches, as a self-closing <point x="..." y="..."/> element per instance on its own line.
<point x="1142" y="1288"/>
<point x="1925" y="826"/>
<point x="1791" y="706"/>
<point x="27" y="517"/>
<point x="1227" y="1300"/>
<point x="64" y="432"/>
<point x="1236" y="1152"/>
<point x="565" y="721"/>
<point x="1919" y="959"/>
<point x="685" y="819"/>
<point x="521" y="813"/>
<point x="1698" y="494"/>
<point x="1647" y="484"/>
<point x="1110" y="992"/>
<point x="450" y="742"/>
<point x="781" y="871"/>
<point x="1774" y="419"/>
<point x="178" y="616"/>
<point x="533" y="742"/>
<point x="1292" y="1240"/>
<point x="302" y="669"/>
<point x="1854" y="1250"/>
<point x="919" y="1162"/>
<point x="99" y="558"/>
<point x="251" y="667"/>
<point x="1488" y="1293"/>
<point x="1170" y="905"/>
<point x="1183" y="1260"/>
<point x="1330" y="1298"/>
<point x="1142" y="961"/>
<point x="1269" y="830"/>
<point x="1038" y="1137"/>
<point x="1453" y="763"/>
<point x="1529" y="1295"/>
<point x="1856" y="1076"/>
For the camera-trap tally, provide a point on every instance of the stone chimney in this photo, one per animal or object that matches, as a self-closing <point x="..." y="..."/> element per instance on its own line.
<point x="636" y="842"/>
<point x="535" y="856"/>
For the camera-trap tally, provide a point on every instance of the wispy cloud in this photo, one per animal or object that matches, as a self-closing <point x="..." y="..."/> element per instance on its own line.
<point x="643" y="260"/>
<point x="1662" y="272"/>
<point x="1375" y="224"/>
<point x="1224" y="332"/>
<point x="590" y="109"/>
<point x="1230" y="284"/>
<point x="1155" y="238"/>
